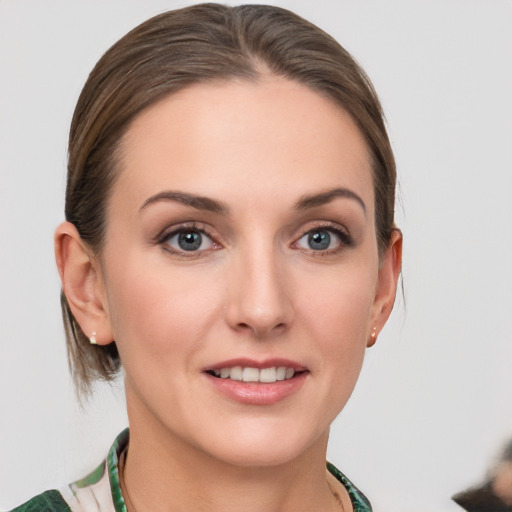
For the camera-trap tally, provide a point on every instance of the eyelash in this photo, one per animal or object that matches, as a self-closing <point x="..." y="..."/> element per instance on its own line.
<point x="166" y="235"/>
<point x="345" y="239"/>
<point x="162" y="239"/>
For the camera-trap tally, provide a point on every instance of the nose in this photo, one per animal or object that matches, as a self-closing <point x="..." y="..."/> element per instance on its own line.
<point x="259" y="295"/>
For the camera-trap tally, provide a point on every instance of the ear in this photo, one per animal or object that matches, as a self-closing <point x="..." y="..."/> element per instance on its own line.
<point x="387" y="281"/>
<point x="82" y="283"/>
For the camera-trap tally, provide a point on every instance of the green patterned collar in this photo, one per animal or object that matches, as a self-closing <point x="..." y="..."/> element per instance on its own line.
<point x="359" y="501"/>
<point x="113" y="469"/>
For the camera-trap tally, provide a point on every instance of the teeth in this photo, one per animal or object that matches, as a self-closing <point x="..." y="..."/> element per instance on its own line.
<point x="251" y="375"/>
<point x="236" y="373"/>
<point x="267" y="375"/>
<point x="281" y="373"/>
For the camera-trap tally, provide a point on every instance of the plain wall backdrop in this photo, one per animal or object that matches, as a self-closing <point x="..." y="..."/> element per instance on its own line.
<point x="434" y="402"/>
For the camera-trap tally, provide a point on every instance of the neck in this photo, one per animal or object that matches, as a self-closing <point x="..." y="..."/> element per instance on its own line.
<point x="164" y="473"/>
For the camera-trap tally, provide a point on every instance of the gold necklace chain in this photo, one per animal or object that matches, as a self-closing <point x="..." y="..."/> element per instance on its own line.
<point x="124" y="490"/>
<point x="131" y="508"/>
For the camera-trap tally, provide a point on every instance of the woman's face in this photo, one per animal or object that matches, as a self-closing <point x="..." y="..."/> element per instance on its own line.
<point x="241" y="244"/>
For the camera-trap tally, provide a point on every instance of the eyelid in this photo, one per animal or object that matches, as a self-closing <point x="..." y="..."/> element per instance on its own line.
<point x="170" y="231"/>
<point x="346" y="239"/>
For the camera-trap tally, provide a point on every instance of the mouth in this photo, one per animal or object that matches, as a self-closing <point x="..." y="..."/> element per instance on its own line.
<point x="252" y="382"/>
<point x="267" y="375"/>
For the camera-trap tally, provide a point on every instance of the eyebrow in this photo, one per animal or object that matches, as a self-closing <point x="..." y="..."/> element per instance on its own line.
<point x="197" y="202"/>
<point x="315" y="200"/>
<point x="212" y="205"/>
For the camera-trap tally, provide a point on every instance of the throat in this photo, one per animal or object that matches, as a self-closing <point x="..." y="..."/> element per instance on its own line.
<point x="256" y="491"/>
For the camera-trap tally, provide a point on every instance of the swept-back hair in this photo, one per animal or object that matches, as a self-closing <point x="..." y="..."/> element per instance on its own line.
<point x="201" y="43"/>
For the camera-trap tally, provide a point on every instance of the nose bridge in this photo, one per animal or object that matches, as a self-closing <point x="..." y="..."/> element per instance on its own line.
<point x="260" y="299"/>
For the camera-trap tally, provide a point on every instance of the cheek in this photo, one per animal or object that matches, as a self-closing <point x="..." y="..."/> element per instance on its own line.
<point x="158" y="310"/>
<point x="337" y="313"/>
<point x="341" y="301"/>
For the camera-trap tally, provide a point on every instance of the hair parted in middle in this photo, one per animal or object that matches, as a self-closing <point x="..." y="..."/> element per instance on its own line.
<point x="200" y="44"/>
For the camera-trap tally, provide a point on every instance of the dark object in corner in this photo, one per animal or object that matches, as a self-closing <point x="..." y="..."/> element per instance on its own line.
<point x="481" y="499"/>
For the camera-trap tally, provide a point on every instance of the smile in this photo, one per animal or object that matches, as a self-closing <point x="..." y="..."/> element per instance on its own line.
<point x="249" y="374"/>
<point x="253" y="382"/>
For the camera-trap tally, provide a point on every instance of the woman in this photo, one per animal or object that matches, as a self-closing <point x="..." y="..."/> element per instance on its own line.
<point x="230" y="238"/>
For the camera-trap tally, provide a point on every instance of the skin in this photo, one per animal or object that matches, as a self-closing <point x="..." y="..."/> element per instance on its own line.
<point x="502" y="482"/>
<point x="255" y="289"/>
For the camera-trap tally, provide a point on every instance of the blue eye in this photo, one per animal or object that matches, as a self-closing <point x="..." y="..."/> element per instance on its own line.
<point x="189" y="240"/>
<point x="321" y="240"/>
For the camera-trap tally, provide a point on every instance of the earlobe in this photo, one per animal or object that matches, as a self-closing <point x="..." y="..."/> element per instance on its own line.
<point x="82" y="284"/>
<point x="389" y="273"/>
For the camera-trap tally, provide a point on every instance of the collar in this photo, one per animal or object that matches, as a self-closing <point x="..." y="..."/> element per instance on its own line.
<point x="113" y="469"/>
<point x="359" y="501"/>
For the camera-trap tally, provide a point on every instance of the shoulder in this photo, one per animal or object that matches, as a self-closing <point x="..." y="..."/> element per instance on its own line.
<point x="48" y="501"/>
<point x="99" y="491"/>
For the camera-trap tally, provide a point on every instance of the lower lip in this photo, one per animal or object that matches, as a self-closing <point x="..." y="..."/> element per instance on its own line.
<point x="258" y="393"/>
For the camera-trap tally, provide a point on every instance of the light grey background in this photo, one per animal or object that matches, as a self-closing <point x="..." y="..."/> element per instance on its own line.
<point x="434" y="403"/>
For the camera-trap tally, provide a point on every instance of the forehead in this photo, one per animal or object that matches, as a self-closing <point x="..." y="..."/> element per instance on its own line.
<point x="266" y="136"/>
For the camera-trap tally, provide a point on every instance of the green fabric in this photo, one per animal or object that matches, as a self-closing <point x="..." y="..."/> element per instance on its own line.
<point x="359" y="500"/>
<point x="49" y="501"/>
<point x="113" y="469"/>
<point x="91" y="478"/>
<point x="52" y="501"/>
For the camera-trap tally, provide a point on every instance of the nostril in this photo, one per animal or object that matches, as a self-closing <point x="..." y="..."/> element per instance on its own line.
<point x="261" y="330"/>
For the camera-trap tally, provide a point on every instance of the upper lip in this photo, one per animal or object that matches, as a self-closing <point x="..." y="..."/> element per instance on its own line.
<point x="252" y="363"/>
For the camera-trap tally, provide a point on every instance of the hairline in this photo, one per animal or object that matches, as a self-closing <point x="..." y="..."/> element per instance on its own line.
<point x="119" y="155"/>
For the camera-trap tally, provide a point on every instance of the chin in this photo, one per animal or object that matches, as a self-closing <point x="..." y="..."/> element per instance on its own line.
<point x="260" y="446"/>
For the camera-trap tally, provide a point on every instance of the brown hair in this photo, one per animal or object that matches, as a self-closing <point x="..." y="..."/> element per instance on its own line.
<point x="202" y="43"/>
